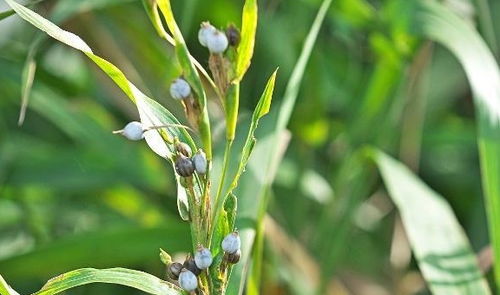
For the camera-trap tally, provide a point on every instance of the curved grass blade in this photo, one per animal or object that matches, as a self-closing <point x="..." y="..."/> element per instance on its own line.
<point x="27" y="80"/>
<point x="254" y="184"/>
<point x="247" y="43"/>
<point x="5" y="289"/>
<point x="150" y="112"/>
<point x="440" y="245"/>
<point x="191" y="74"/>
<point x="434" y="21"/>
<point x="62" y="11"/>
<point x="119" y="276"/>
<point x="7" y="13"/>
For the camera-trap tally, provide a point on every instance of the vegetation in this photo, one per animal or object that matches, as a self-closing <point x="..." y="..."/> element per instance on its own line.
<point x="382" y="141"/>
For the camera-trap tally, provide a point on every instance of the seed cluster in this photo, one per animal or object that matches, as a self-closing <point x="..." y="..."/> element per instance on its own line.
<point x="187" y="273"/>
<point x="186" y="162"/>
<point x="186" y="166"/>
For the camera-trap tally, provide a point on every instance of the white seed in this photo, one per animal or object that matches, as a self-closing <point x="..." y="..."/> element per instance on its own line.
<point x="180" y="89"/>
<point x="231" y="243"/>
<point x="132" y="131"/>
<point x="203" y="258"/>
<point x="217" y="42"/>
<point x="188" y="281"/>
<point x="200" y="162"/>
<point x="205" y="29"/>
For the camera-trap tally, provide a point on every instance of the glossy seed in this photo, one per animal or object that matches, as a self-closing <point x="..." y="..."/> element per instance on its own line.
<point x="180" y="89"/>
<point x="217" y="42"/>
<point x="234" y="257"/>
<point x="187" y="280"/>
<point x="233" y="35"/>
<point x="200" y="162"/>
<point x="231" y="243"/>
<point x="190" y="265"/>
<point x="203" y="258"/>
<point x="205" y="29"/>
<point x="184" y="166"/>
<point x="183" y="148"/>
<point x="174" y="270"/>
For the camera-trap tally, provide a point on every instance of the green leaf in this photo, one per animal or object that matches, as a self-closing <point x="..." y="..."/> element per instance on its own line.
<point x="5" y="289"/>
<point x="73" y="252"/>
<point x="119" y="276"/>
<point x="266" y="157"/>
<point x="264" y="103"/>
<point x="190" y="73"/>
<point x="150" y="112"/>
<point x="5" y="14"/>
<point x="436" y="22"/>
<point x="224" y="216"/>
<point x="440" y="245"/>
<point x="247" y="43"/>
<point x="28" y="77"/>
<point x="260" y="110"/>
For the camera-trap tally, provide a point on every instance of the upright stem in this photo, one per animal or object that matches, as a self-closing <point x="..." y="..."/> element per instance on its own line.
<point x="225" y="165"/>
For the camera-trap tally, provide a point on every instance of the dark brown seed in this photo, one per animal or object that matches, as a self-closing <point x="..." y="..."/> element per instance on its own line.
<point x="190" y="265"/>
<point x="183" y="149"/>
<point x="174" y="270"/>
<point x="233" y="258"/>
<point x="184" y="166"/>
<point x="233" y="35"/>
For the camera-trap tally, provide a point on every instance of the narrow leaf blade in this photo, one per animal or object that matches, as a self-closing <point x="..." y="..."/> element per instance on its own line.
<point x="247" y="43"/>
<point x="119" y="276"/>
<point x="438" y="241"/>
<point x="436" y="22"/>
<point x="264" y="103"/>
<point x="5" y="289"/>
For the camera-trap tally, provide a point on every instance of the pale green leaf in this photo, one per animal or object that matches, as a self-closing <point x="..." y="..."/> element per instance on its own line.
<point x="247" y="43"/>
<point x="434" y="21"/>
<point x="438" y="241"/>
<point x="119" y="276"/>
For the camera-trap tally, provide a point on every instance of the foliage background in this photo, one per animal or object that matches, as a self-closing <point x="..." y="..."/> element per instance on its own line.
<point x="73" y="195"/>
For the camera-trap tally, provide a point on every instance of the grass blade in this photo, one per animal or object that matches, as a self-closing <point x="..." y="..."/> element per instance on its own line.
<point x="254" y="184"/>
<point x="247" y="43"/>
<point x="28" y="77"/>
<point x="119" y="276"/>
<point x="434" y="21"/>
<point x="5" y="289"/>
<point x="440" y="245"/>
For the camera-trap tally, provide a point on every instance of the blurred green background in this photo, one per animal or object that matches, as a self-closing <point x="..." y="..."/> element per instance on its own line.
<point x="74" y="195"/>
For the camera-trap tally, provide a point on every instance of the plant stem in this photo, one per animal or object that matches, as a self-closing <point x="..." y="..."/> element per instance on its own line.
<point x="225" y="165"/>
